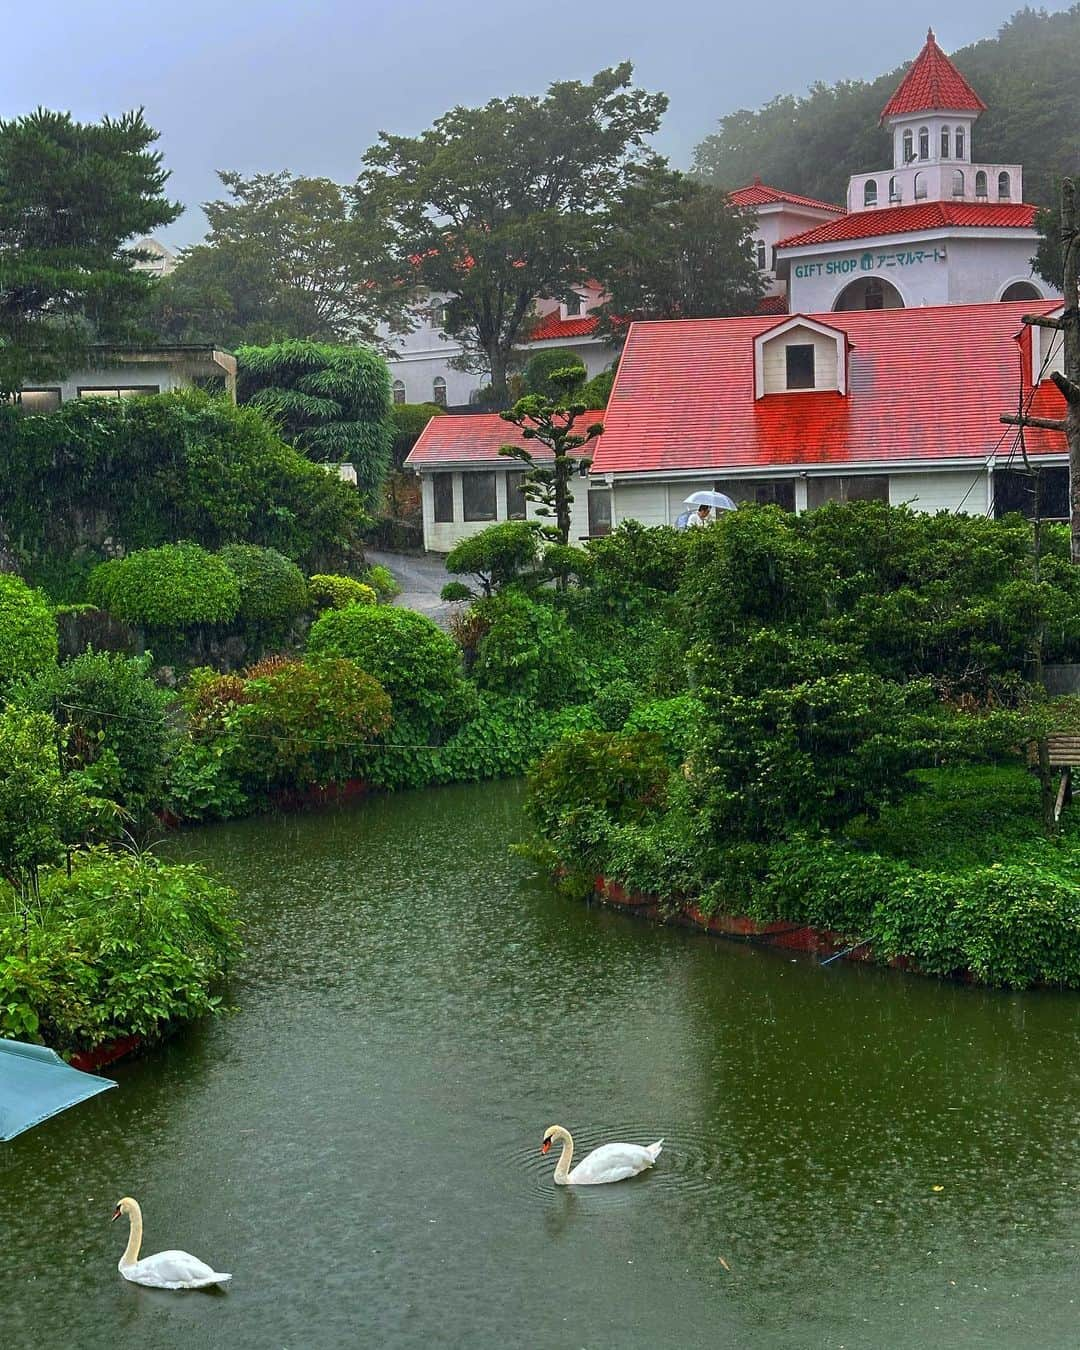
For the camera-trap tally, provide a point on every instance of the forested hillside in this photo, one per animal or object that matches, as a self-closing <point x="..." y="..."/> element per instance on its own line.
<point x="1029" y="76"/>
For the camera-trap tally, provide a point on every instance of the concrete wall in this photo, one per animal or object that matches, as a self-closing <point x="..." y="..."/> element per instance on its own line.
<point x="161" y="378"/>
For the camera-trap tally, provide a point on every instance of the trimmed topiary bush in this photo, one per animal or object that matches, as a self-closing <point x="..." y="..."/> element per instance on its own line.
<point x="172" y="587"/>
<point x="536" y="377"/>
<point x="272" y="589"/>
<point x="28" y="642"/>
<point x="330" y="592"/>
<point x="417" y="664"/>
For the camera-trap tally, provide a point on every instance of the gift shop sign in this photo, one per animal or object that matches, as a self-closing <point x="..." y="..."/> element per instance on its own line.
<point x="904" y="258"/>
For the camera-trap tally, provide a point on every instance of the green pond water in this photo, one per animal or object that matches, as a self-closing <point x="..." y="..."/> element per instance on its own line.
<point x="358" y="1141"/>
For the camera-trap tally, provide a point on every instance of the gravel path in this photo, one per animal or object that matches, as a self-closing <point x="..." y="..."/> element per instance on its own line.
<point x="421" y="578"/>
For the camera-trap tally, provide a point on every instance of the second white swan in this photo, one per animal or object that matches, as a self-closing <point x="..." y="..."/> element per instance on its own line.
<point x="164" y="1270"/>
<point x="609" y="1162"/>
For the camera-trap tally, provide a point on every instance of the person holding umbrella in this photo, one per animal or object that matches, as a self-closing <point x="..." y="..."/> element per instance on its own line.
<point x="705" y="502"/>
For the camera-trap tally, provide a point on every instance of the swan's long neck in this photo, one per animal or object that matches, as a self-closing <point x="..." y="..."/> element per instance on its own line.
<point x="131" y="1251"/>
<point x="562" y="1170"/>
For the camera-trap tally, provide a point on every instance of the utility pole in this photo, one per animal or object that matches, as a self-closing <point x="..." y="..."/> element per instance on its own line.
<point x="1069" y="381"/>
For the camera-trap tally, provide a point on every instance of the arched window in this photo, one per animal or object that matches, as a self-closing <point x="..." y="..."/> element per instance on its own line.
<point x="1004" y="186"/>
<point x="958" y="143"/>
<point x="909" y="146"/>
<point x="920" y="186"/>
<point x="438" y="391"/>
<point x="894" y="190"/>
<point x="874" y="295"/>
<point x="924" y="144"/>
<point x="980" y="183"/>
<point x="1021" y="290"/>
<point x="944" y="142"/>
<point x="399" y="391"/>
<point x="957" y="183"/>
<point x="869" y="192"/>
<point x="762" y="255"/>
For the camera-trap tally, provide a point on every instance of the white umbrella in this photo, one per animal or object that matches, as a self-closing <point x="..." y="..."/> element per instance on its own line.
<point x="720" y="500"/>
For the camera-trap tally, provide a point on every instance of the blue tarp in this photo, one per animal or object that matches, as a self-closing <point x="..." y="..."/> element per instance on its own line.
<point x="35" y="1084"/>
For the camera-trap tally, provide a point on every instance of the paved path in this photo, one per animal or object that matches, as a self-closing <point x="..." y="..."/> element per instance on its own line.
<point x="421" y="578"/>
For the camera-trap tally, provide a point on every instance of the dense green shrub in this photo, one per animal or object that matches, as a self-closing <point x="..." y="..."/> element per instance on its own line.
<point x="148" y="471"/>
<point x="417" y="664"/>
<point x="123" y="946"/>
<point x="679" y="723"/>
<point x="408" y="421"/>
<point x="596" y="392"/>
<point x="28" y="642"/>
<point x="171" y="588"/>
<point x="497" y="556"/>
<point x="273" y="591"/>
<point x="536" y="376"/>
<point x="530" y="650"/>
<point x="503" y="737"/>
<point x="382" y="581"/>
<point x="620" y="777"/>
<point x="113" y="724"/>
<point x="634" y="568"/>
<point x="328" y="592"/>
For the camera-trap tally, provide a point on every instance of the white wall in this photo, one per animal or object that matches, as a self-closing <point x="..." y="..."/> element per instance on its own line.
<point x="941" y="490"/>
<point x="166" y="377"/>
<point x="440" y="537"/>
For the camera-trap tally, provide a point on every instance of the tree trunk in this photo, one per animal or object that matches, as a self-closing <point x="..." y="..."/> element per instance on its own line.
<point x="498" y="363"/>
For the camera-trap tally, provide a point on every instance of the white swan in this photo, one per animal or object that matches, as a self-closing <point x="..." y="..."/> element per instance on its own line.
<point x="165" y="1270"/>
<point x="609" y="1162"/>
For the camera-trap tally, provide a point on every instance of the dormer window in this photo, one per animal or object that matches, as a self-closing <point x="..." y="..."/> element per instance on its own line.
<point x="958" y="142"/>
<point x="1004" y="187"/>
<point x="944" y="142"/>
<point x="573" y="306"/>
<point x="924" y="143"/>
<point x="869" y="192"/>
<point x="800" y="365"/>
<point x="909" y="146"/>
<point x="980" y="184"/>
<point x="762" y="256"/>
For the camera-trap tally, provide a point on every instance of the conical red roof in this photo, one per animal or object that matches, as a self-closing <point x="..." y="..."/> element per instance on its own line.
<point x="933" y="83"/>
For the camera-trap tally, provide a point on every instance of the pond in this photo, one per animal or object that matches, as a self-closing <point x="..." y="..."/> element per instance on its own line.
<point x="853" y="1158"/>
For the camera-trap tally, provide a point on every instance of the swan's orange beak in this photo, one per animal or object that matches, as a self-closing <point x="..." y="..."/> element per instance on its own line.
<point x="545" y="1146"/>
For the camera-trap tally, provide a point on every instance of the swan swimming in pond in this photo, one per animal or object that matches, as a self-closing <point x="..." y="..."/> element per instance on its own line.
<point x="609" y="1162"/>
<point x="165" y="1270"/>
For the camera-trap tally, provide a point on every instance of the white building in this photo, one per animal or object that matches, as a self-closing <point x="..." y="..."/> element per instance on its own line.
<point x="936" y="228"/>
<point x="160" y="260"/>
<point x="128" y="372"/>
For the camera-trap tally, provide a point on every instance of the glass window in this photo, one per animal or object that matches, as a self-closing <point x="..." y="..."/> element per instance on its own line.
<point x="909" y="147"/>
<point x="764" y="491"/>
<point x="924" y="143"/>
<point x="443" y="485"/>
<point x="894" y="190"/>
<point x="959" y="143"/>
<point x="516" y="508"/>
<point x="762" y="256"/>
<point x="874" y="296"/>
<point x="399" y="391"/>
<point x="573" y="306"/>
<point x="800" y="365"/>
<point x="869" y="192"/>
<point x="958" y="183"/>
<point x="119" y="391"/>
<point x="1004" y="186"/>
<point x="478" y="495"/>
<point x="944" y="142"/>
<point x="39" y="400"/>
<point x="1014" y="490"/>
<point x="980" y="184"/>
<point x="599" y="511"/>
<point x="438" y="392"/>
<point x="920" y="186"/>
<point x="1021" y="290"/>
<point x="862" y="487"/>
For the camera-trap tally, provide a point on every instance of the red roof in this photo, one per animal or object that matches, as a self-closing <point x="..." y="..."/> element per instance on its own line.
<point x="932" y="83"/>
<point x="467" y="438"/>
<point x="758" y="193"/>
<point x="772" y="304"/>
<point x="924" y="385"/>
<point x="912" y="219"/>
<point x="550" y="327"/>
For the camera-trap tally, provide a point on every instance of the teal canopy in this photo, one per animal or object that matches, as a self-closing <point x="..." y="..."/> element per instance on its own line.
<point x="35" y="1084"/>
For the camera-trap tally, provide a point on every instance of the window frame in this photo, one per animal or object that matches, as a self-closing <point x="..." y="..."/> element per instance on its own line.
<point x="762" y="256"/>
<point x="438" y="392"/>
<point x="869" y="192"/>
<point x="801" y="348"/>
<point x="814" y="485"/>
<point x="924" y="145"/>
<point x="908" y="151"/>
<point x="600" y="523"/>
<point x="471" y="481"/>
<point x="959" y="180"/>
<point x="1004" y="179"/>
<point x="118" y="390"/>
<point x="760" y="491"/>
<point x="574" y="306"/>
<point x="398" y="387"/>
<point x="946" y="141"/>
<point x="958" y="143"/>
<point x="515" y="488"/>
<point x="982" y="184"/>
<point x="40" y="389"/>
<point x="439" y="481"/>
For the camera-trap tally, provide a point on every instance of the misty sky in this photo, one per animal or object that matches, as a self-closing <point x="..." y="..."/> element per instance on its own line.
<point x="307" y="85"/>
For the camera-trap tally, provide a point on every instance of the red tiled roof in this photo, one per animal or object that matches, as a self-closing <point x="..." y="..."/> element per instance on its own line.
<point x="911" y="219"/>
<point x="550" y="326"/>
<point x="758" y="193"/>
<point x="467" y="438"/>
<point x="932" y="83"/>
<point x="684" y="397"/>
<point x="772" y="304"/>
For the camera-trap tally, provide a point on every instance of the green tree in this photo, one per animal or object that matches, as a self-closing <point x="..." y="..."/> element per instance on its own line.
<point x="283" y="259"/>
<point x="676" y="248"/>
<point x="535" y="378"/>
<point x="333" y="403"/>
<point x="495" y="206"/>
<point x="496" y="557"/>
<point x="71" y="193"/>
<point x="552" y="422"/>
<point x="409" y="420"/>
